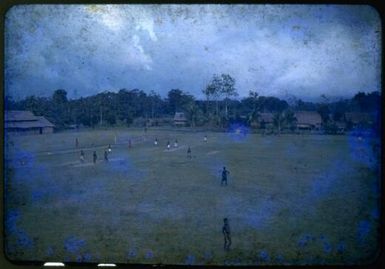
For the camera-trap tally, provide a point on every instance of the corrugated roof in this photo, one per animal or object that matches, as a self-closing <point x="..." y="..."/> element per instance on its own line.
<point x="308" y="117"/>
<point x="19" y="115"/>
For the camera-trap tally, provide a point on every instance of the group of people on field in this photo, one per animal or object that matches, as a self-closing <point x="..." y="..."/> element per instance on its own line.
<point x="94" y="154"/>
<point x="226" y="226"/>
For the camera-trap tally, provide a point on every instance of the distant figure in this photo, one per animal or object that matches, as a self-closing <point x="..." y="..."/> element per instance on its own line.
<point x="227" y="234"/>
<point x="106" y="156"/>
<point x="168" y="145"/>
<point x="224" y="175"/>
<point x="156" y="141"/>
<point x="205" y="138"/>
<point x="176" y="143"/>
<point x="76" y="142"/>
<point x="109" y="148"/>
<point x="95" y="157"/>
<point x="82" y="156"/>
<point x="129" y="143"/>
<point x="189" y="152"/>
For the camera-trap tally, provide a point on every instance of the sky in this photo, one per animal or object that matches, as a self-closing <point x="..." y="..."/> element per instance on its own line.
<point x="287" y="51"/>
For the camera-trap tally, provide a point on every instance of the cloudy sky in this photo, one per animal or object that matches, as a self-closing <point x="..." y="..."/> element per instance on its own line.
<point x="279" y="50"/>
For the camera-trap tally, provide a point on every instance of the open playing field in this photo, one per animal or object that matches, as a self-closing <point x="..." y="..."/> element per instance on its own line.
<point x="290" y="199"/>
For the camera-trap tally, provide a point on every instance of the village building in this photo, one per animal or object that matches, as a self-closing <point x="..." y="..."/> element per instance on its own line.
<point x="180" y="119"/>
<point x="265" y="120"/>
<point x="359" y="119"/>
<point x="308" y="120"/>
<point x="25" y="122"/>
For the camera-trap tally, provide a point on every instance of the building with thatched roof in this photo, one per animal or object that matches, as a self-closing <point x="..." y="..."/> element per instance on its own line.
<point x="180" y="119"/>
<point x="25" y="122"/>
<point x="308" y="120"/>
<point x="265" y="120"/>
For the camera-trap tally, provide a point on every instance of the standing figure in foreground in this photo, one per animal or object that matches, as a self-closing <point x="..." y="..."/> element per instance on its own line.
<point x="224" y="175"/>
<point x="205" y="138"/>
<point x="106" y="156"/>
<point x="189" y="152"/>
<point x="109" y="148"/>
<point x="156" y="141"/>
<point x="176" y="143"/>
<point x="227" y="234"/>
<point x="82" y="156"/>
<point x="95" y="157"/>
<point x="76" y="142"/>
<point x="168" y="145"/>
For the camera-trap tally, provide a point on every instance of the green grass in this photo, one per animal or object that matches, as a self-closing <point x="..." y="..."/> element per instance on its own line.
<point x="148" y="205"/>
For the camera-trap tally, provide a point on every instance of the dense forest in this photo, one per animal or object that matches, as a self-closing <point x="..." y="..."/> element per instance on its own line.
<point x="220" y="107"/>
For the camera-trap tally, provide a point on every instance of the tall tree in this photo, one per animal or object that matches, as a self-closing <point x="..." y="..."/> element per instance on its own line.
<point x="227" y="89"/>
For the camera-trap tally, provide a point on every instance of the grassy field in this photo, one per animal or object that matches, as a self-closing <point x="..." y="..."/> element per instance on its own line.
<point x="291" y="199"/>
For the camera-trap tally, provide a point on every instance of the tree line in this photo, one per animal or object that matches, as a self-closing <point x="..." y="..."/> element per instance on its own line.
<point x="220" y="107"/>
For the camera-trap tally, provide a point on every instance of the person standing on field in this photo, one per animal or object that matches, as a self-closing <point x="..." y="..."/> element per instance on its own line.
<point x="176" y="143"/>
<point x="227" y="234"/>
<point x="106" y="156"/>
<point x="224" y="175"/>
<point x="189" y="152"/>
<point x="205" y="138"/>
<point x="109" y="148"/>
<point x="156" y="141"/>
<point x="82" y="156"/>
<point x="168" y="145"/>
<point x="76" y="142"/>
<point x="95" y="157"/>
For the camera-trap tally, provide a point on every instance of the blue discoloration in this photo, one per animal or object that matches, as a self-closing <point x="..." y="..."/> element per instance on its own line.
<point x="363" y="229"/>
<point x="264" y="256"/>
<point x="327" y="248"/>
<point x="375" y="213"/>
<point x="123" y="165"/>
<point x="360" y="148"/>
<point x="279" y="259"/>
<point x="23" y="239"/>
<point x="131" y="253"/>
<point x="259" y="217"/>
<point x="11" y="218"/>
<point x="238" y="132"/>
<point x="341" y="246"/>
<point x="23" y="158"/>
<point x="73" y="244"/>
<point x="37" y="196"/>
<point x="304" y="240"/>
<point x="149" y="254"/>
<point x="87" y="257"/>
<point x="190" y="259"/>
